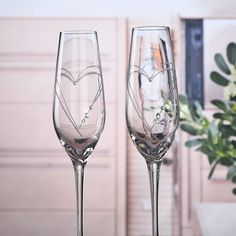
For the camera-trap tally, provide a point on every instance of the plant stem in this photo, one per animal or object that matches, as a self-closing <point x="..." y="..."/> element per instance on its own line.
<point x="154" y="170"/>
<point x="79" y="182"/>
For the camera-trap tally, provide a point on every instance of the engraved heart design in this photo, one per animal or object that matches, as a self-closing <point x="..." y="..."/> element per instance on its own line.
<point x="87" y="72"/>
<point x="156" y="72"/>
<point x="147" y="88"/>
<point x="90" y="70"/>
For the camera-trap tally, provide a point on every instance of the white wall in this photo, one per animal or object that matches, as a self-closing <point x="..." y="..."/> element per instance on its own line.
<point x="123" y="8"/>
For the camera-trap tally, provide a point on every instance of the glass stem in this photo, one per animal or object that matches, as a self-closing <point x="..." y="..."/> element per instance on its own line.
<point x="154" y="170"/>
<point x="79" y="182"/>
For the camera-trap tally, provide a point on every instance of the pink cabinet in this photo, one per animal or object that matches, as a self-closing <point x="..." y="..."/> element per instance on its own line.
<point x="36" y="176"/>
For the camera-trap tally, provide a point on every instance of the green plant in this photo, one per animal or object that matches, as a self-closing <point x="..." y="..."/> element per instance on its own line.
<point x="215" y="137"/>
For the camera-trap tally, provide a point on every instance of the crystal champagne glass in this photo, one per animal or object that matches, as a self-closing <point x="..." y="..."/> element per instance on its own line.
<point x="152" y="109"/>
<point x="79" y="105"/>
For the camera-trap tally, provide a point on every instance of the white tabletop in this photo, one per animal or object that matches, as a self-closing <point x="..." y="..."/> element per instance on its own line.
<point x="217" y="219"/>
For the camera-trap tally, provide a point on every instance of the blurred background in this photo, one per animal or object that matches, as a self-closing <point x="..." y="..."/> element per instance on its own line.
<point x="37" y="193"/>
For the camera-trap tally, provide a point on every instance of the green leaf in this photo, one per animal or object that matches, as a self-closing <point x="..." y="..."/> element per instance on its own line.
<point x="234" y="179"/>
<point x="220" y="104"/>
<point x="213" y="168"/>
<point x="233" y="142"/>
<point x="232" y="104"/>
<point x="183" y="99"/>
<point x="211" y="158"/>
<point x="208" y="152"/>
<point x="231" y="53"/>
<point x="212" y="134"/>
<point x="219" y="79"/>
<point x="226" y="161"/>
<point x="213" y="130"/>
<point x="220" y="62"/>
<point x="234" y="122"/>
<point x="231" y="172"/>
<point x="227" y="131"/>
<point x="193" y="142"/>
<point x="198" y="108"/>
<point x="234" y="191"/>
<point x="188" y="129"/>
<point x="219" y="115"/>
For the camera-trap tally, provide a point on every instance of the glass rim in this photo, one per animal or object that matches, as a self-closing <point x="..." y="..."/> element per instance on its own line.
<point x="151" y="28"/>
<point x="78" y="32"/>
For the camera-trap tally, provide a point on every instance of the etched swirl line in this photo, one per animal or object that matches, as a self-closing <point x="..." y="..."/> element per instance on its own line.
<point x="86" y="116"/>
<point x="136" y="107"/>
<point x="69" y="76"/>
<point x="66" y="110"/>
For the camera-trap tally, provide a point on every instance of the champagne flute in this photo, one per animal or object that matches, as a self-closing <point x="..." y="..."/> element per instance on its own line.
<point x="152" y="109"/>
<point x="79" y="104"/>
